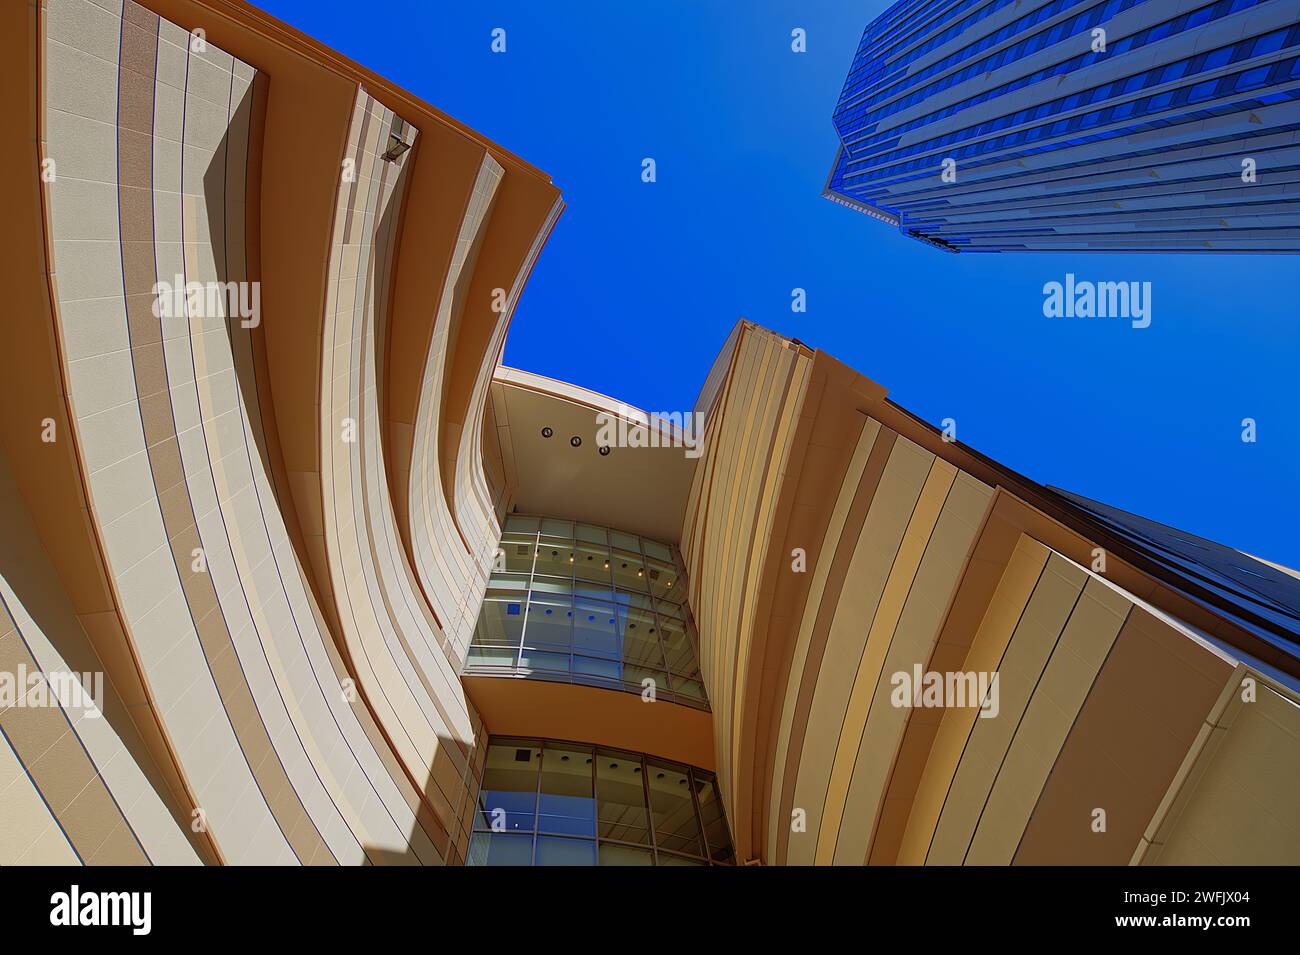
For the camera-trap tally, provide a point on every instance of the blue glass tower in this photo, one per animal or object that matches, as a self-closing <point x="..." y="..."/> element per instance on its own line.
<point x="1077" y="125"/>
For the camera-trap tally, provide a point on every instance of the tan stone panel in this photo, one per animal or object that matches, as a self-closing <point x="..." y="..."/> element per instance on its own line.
<point x="1022" y="664"/>
<point x="1141" y="716"/>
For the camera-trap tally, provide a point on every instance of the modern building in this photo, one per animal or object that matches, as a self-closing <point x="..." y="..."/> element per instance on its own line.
<point x="292" y="570"/>
<point x="1077" y="125"/>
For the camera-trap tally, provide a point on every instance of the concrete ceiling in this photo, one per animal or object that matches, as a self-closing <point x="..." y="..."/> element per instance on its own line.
<point x="640" y="490"/>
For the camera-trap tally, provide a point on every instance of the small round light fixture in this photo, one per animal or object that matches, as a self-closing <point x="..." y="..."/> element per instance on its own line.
<point x="575" y="441"/>
<point x="604" y="450"/>
<point x="547" y="432"/>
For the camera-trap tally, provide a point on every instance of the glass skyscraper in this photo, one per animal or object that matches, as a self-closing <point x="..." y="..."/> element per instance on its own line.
<point x="1077" y="125"/>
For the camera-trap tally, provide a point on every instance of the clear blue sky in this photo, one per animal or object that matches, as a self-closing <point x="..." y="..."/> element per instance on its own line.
<point x="640" y="283"/>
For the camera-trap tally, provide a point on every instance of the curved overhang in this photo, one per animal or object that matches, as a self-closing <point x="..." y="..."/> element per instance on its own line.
<point x="515" y="706"/>
<point x="641" y="490"/>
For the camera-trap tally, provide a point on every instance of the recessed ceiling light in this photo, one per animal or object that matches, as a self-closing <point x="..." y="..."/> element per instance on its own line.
<point x="547" y="432"/>
<point x="604" y="449"/>
<point x="575" y="441"/>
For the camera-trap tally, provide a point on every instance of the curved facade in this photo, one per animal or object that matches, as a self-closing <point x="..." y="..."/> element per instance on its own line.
<point x="210" y="517"/>
<point x="916" y="656"/>
<point x="278" y="535"/>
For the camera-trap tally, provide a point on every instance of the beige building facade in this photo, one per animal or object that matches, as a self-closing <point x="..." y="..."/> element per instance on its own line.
<point x="339" y="588"/>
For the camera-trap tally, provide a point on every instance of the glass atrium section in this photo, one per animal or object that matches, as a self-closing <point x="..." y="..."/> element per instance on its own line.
<point x="555" y="803"/>
<point x="586" y="604"/>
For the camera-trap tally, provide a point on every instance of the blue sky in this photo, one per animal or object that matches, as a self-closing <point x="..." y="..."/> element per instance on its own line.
<point x="640" y="283"/>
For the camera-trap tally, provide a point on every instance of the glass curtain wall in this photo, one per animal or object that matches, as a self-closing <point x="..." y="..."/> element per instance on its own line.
<point x="545" y="802"/>
<point x="587" y="604"/>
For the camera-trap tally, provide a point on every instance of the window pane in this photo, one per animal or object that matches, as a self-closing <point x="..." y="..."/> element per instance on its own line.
<point x="670" y="609"/>
<point x="538" y="660"/>
<point x="508" y="798"/>
<point x="639" y="675"/>
<point x="554" y="528"/>
<point x="592" y="534"/>
<point x="715" y="824"/>
<point x="660" y="575"/>
<point x="658" y="551"/>
<point x="688" y="687"/>
<point x="517" y="555"/>
<point x="500" y="848"/>
<point x="492" y="656"/>
<point x="549" y="620"/>
<point x="555" y="851"/>
<point x="629" y="571"/>
<point x="567" y="804"/>
<point x="620" y="798"/>
<point x="667" y="858"/>
<point x="676" y="827"/>
<point x="640" y="642"/>
<point x="592" y="563"/>
<point x="624" y="855"/>
<point x="603" y="668"/>
<point x="624" y="541"/>
<point x="553" y="558"/>
<point x="501" y="621"/>
<point x="677" y="645"/>
<point x="593" y="627"/>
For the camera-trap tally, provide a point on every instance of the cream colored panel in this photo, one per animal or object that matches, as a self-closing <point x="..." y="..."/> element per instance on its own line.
<point x="1238" y="806"/>
<point x="29" y="835"/>
<point x="1044" y="618"/>
<point x="873" y="566"/>
<point x="1060" y="693"/>
<point x="913" y="642"/>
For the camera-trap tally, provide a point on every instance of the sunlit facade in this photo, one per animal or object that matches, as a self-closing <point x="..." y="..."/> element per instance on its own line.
<point x="346" y="591"/>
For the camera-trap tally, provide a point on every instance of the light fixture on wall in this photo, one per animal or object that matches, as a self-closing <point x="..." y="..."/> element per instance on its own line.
<point x="395" y="148"/>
